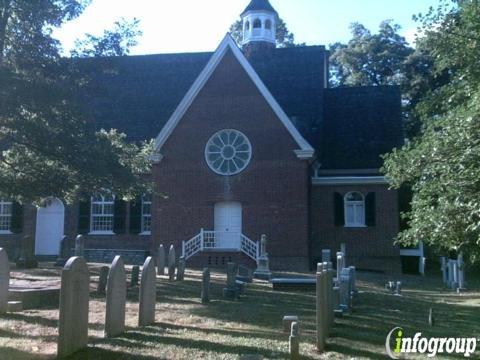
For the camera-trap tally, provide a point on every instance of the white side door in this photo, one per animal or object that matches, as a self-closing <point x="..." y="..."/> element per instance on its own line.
<point x="50" y="227"/>
<point x="228" y="225"/>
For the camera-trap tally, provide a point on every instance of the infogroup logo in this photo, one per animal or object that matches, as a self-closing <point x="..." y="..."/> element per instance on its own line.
<point x="397" y="344"/>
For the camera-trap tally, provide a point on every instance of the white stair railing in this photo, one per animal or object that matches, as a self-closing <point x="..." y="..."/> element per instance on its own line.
<point x="192" y="246"/>
<point x="249" y="247"/>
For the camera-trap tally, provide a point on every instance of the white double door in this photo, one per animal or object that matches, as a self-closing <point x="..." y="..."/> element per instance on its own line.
<point x="228" y="225"/>
<point x="50" y="227"/>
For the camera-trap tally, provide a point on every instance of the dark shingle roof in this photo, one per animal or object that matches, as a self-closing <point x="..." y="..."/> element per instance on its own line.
<point x="256" y="5"/>
<point x="349" y="127"/>
<point x="360" y="124"/>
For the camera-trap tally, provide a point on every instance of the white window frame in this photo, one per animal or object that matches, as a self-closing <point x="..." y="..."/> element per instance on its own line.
<point x="102" y="203"/>
<point x="357" y="205"/>
<point x="8" y="216"/>
<point x="146" y="232"/>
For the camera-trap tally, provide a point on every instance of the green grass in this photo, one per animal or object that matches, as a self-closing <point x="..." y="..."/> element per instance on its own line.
<point x="222" y="329"/>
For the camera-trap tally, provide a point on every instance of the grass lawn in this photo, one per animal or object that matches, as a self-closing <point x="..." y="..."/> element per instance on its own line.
<point x="186" y="329"/>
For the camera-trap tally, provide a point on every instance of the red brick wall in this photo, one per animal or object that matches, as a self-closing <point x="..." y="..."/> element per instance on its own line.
<point x="367" y="248"/>
<point x="273" y="189"/>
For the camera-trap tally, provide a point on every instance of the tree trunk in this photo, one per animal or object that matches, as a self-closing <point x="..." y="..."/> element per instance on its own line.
<point x="4" y="16"/>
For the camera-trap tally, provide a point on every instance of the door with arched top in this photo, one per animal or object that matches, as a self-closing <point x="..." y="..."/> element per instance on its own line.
<point x="50" y="227"/>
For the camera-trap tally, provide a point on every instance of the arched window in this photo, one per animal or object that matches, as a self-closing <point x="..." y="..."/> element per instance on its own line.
<point x="102" y="213"/>
<point x="354" y="209"/>
<point x="268" y="25"/>
<point x="247" y="26"/>
<point x="257" y="24"/>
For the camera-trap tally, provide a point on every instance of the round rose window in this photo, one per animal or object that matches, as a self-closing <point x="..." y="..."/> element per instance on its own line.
<point x="228" y="152"/>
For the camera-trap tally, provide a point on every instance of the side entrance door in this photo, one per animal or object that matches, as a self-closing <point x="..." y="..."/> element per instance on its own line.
<point x="228" y="225"/>
<point x="49" y="229"/>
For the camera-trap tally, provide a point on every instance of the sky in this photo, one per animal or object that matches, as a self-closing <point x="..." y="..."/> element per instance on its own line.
<point x="199" y="25"/>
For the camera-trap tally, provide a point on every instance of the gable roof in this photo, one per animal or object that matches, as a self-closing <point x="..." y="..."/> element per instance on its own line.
<point x="257" y="5"/>
<point x="305" y="150"/>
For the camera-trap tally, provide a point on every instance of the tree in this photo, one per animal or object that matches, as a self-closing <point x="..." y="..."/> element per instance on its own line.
<point x="283" y="36"/>
<point x="49" y="146"/>
<point x="442" y="165"/>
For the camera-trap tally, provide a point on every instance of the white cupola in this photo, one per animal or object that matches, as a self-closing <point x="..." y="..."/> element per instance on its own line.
<point x="259" y="23"/>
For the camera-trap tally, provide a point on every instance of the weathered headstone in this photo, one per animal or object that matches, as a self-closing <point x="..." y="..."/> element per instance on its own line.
<point x="231" y="291"/>
<point x="343" y="249"/>
<point x="102" y="280"/>
<point x="461" y="272"/>
<point x="181" y="269"/>
<point x="443" y="268"/>
<point x="345" y="291"/>
<point x="330" y="300"/>
<point x="63" y="252"/>
<point x="326" y="255"/>
<point x="398" y="288"/>
<point x="79" y="245"/>
<point x="294" y="342"/>
<point x="148" y="293"/>
<point x="353" y="279"/>
<point x="454" y="283"/>
<point x="320" y="309"/>
<point x="287" y="322"/>
<point x="135" y="275"/>
<point x="205" y="294"/>
<point x="4" y="280"/>
<point x="161" y="260"/>
<point x="116" y="299"/>
<point x="421" y="265"/>
<point x="244" y="274"/>
<point x="74" y="294"/>
<point x="27" y="254"/>
<point x="340" y="264"/>
<point x="263" y="262"/>
<point x="171" y="263"/>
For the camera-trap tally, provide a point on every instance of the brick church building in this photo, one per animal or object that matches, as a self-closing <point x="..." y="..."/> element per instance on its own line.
<point x="250" y="140"/>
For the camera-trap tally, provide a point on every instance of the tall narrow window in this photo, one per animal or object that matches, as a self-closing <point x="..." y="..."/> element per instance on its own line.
<point x="354" y="209"/>
<point x="268" y="25"/>
<point x="146" y="213"/>
<point x="102" y="213"/>
<point x="257" y="24"/>
<point x="5" y="216"/>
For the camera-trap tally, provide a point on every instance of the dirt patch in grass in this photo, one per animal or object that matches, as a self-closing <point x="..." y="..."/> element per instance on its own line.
<point x="187" y="329"/>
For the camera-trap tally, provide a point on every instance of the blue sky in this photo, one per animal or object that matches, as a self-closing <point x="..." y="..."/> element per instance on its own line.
<point x="194" y="25"/>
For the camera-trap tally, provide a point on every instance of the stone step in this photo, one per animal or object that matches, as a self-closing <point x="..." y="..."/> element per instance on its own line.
<point x="219" y="260"/>
<point x="14" y="306"/>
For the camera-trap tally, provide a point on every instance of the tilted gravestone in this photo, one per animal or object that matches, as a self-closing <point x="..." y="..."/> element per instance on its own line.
<point x="135" y="275"/>
<point x="205" y="294"/>
<point x="294" y="341"/>
<point x="231" y="291"/>
<point x="4" y="280"/>
<point x="102" y="280"/>
<point x="74" y="293"/>
<point x="116" y="299"/>
<point x="161" y="260"/>
<point x="171" y="263"/>
<point x="79" y="245"/>
<point x="148" y="293"/>
<point x="181" y="269"/>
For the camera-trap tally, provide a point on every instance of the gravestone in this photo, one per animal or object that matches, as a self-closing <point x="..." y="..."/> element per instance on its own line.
<point x="320" y="308"/>
<point x="263" y="262"/>
<point x="329" y="287"/>
<point x="73" y="318"/>
<point x="231" y="291"/>
<point x="181" y="269"/>
<point x="27" y="254"/>
<point x="461" y="272"/>
<point x="80" y="245"/>
<point x="4" y="280"/>
<point x="205" y="294"/>
<point x="454" y="283"/>
<point x="148" y="293"/>
<point x="345" y="291"/>
<point x="353" y="279"/>
<point x="171" y="263"/>
<point x="161" y="260"/>
<point x="63" y="252"/>
<point x="443" y="268"/>
<point x="294" y="342"/>
<point x="343" y="250"/>
<point x="287" y="322"/>
<point x="326" y="255"/>
<point x="340" y="264"/>
<point x="421" y="266"/>
<point x="135" y="275"/>
<point x="102" y="280"/>
<point x="244" y="274"/>
<point x="398" y="288"/>
<point x="116" y="299"/>
<point x="336" y="301"/>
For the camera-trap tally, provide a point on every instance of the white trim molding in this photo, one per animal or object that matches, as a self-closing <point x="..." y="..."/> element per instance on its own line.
<point x="350" y="180"/>
<point x="306" y="150"/>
